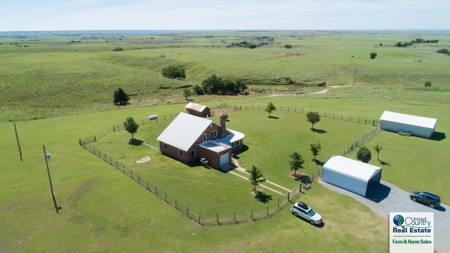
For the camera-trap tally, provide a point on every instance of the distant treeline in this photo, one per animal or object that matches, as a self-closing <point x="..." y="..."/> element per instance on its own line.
<point x="416" y="41"/>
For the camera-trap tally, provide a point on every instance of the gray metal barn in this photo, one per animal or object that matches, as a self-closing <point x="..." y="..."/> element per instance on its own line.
<point x="415" y="125"/>
<point x="350" y="174"/>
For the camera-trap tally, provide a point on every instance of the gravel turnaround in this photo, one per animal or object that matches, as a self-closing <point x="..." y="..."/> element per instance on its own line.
<point x="386" y="198"/>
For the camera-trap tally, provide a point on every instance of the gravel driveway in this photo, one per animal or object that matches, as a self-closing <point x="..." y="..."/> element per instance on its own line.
<point x="389" y="198"/>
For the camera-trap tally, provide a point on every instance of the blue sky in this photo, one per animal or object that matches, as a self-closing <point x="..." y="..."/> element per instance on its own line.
<point x="48" y="15"/>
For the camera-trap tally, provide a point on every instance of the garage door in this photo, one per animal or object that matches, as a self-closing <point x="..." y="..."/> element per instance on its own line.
<point x="224" y="159"/>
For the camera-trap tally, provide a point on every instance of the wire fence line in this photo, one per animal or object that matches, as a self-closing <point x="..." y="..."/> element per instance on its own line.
<point x="342" y="117"/>
<point x="360" y="141"/>
<point x="118" y="127"/>
<point x="273" y="206"/>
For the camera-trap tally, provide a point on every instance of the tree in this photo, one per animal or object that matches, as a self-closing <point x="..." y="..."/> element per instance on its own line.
<point x="212" y="85"/>
<point x="296" y="162"/>
<point x="256" y="177"/>
<point x="373" y="55"/>
<point x="118" y="49"/>
<point x="364" y="155"/>
<point x="187" y="93"/>
<point x="198" y="90"/>
<point x="315" y="149"/>
<point x="427" y="84"/>
<point x="313" y="118"/>
<point x="287" y="46"/>
<point x="173" y="72"/>
<point x="270" y="107"/>
<point x="378" y="149"/>
<point x="120" y="97"/>
<point x="131" y="126"/>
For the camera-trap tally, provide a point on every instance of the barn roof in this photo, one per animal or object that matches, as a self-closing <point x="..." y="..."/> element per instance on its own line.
<point x="350" y="167"/>
<point x="195" y="107"/>
<point x="184" y="130"/>
<point x="408" y="119"/>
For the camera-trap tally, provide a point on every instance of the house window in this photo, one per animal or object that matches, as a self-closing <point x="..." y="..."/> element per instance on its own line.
<point x="164" y="146"/>
<point x="180" y="152"/>
<point x="204" y="137"/>
<point x="236" y="143"/>
<point x="214" y="134"/>
<point x="193" y="153"/>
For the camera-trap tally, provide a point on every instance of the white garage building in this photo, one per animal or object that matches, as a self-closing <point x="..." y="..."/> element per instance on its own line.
<point x="350" y="174"/>
<point x="415" y="125"/>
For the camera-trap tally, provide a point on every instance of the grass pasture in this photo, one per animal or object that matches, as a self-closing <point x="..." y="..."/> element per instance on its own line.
<point x="67" y="87"/>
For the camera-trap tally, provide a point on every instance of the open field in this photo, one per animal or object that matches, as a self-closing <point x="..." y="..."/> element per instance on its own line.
<point x="70" y="85"/>
<point x="55" y="76"/>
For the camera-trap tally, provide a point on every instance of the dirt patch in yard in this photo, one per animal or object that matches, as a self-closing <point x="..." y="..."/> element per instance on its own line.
<point x="144" y="159"/>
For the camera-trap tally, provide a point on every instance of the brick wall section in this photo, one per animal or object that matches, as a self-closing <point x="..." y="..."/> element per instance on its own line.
<point x="212" y="156"/>
<point x="174" y="153"/>
<point x="203" y="114"/>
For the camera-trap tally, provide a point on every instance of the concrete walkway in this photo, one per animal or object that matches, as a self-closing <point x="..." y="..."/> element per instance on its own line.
<point x="239" y="168"/>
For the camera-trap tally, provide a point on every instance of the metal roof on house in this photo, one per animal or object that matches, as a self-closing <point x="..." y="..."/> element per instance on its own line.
<point x="350" y="167"/>
<point x="234" y="136"/>
<point x="184" y="130"/>
<point x="195" y="107"/>
<point x="408" y="119"/>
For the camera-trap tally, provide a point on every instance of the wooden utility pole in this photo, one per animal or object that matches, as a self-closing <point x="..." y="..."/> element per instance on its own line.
<point x="50" y="179"/>
<point x="18" y="144"/>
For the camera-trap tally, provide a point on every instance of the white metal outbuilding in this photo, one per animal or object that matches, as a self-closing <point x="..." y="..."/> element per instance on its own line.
<point x="415" y="125"/>
<point x="352" y="175"/>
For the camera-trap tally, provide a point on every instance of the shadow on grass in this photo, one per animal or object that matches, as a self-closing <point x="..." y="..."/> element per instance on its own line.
<point x="384" y="163"/>
<point x="135" y="142"/>
<point x="318" y="162"/>
<point x="438" y="136"/>
<point x="262" y="197"/>
<point x="243" y="149"/>
<point x="272" y="117"/>
<point x="377" y="192"/>
<point x="319" y="131"/>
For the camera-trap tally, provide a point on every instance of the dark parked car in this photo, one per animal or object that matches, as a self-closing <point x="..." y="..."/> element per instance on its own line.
<point x="426" y="198"/>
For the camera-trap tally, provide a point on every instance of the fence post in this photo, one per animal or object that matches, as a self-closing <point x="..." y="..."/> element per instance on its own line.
<point x="165" y="197"/>
<point x="288" y="108"/>
<point x="333" y="115"/>
<point x="199" y="215"/>
<point x="251" y="213"/>
<point x="234" y="215"/>
<point x="93" y="150"/>
<point x="350" y="119"/>
<point x="139" y="179"/>
<point x="268" y="211"/>
<point x="358" y="120"/>
<point x="156" y="190"/>
<point x="79" y="142"/>
<point x="114" y="129"/>
<point x="300" y="189"/>
<point x="176" y="204"/>
<point x="325" y="114"/>
<point x="259" y="106"/>
<point x="278" y="202"/>
<point x="110" y="160"/>
<point x="373" y="124"/>
<point x="187" y="211"/>
<point x="117" y="166"/>
<point x="289" y="195"/>
<point x="217" y="218"/>
<point x="105" y="158"/>
<point x="123" y="166"/>
<point x="342" y="117"/>
<point x="366" y="122"/>
<point x="147" y="186"/>
<point x="281" y="108"/>
<point x="131" y="174"/>
<point x="245" y="107"/>
<point x="295" y="110"/>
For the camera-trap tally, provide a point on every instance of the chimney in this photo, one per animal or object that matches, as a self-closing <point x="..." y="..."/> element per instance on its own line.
<point x="222" y="125"/>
